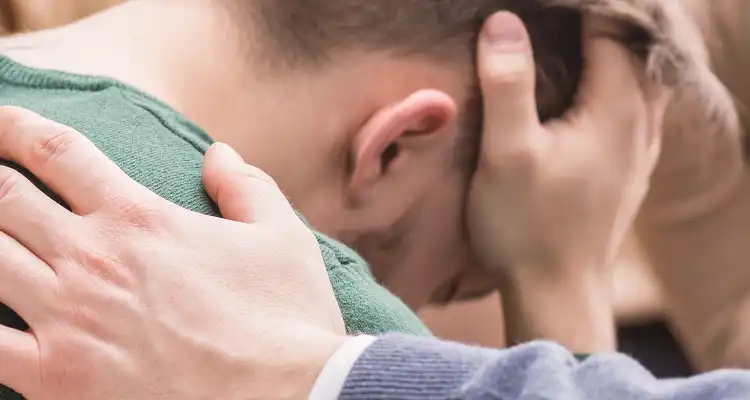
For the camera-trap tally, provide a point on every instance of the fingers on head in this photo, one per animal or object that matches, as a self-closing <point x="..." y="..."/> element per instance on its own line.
<point x="507" y="76"/>
<point x="506" y="63"/>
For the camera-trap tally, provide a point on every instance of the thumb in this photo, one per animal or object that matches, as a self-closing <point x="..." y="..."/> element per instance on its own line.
<point x="506" y="74"/>
<point x="244" y="193"/>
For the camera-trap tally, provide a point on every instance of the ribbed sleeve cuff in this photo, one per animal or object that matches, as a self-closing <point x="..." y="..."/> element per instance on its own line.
<point x="402" y="367"/>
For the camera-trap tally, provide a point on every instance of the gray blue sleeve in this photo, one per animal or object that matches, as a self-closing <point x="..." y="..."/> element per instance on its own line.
<point x="401" y="367"/>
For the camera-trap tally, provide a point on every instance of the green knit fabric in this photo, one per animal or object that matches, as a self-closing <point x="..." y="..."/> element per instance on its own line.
<point x="159" y="148"/>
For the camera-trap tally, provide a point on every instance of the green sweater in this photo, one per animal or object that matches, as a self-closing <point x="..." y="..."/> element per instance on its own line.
<point x="163" y="151"/>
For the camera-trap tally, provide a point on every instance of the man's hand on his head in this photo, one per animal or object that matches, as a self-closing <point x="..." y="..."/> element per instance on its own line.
<point x="130" y="296"/>
<point x="550" y="204"/>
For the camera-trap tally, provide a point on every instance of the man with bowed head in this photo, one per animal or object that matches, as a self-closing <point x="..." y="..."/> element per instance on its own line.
<point x="220" y="329"/>
<point x="344" y="102"/>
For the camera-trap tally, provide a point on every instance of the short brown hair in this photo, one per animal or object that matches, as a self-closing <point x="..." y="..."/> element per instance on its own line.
<point x="307" y="32"/>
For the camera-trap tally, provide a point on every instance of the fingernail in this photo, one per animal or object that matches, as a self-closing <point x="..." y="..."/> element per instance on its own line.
<point x="505" y="29"/>
<point x="228" y="153"/>
<point x="506" y="41"/>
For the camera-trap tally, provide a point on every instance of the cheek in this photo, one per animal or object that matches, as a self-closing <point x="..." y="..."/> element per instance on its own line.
<point x="424" y="262"/>
<point x="425" y="273"/>
<point x="436" y="252"/>
<point x="431" y="249"/>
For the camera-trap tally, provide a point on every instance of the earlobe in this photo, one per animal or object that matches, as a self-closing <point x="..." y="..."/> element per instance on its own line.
<point x="379" y="147"/>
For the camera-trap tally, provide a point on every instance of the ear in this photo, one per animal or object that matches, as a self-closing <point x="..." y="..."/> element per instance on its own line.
<point x="400" y="136"/>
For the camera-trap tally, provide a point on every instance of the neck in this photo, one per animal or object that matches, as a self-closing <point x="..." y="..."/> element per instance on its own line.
<point x="199" y="67"/>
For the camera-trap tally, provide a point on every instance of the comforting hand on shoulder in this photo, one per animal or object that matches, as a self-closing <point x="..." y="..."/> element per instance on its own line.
<point x="131" y="297"/>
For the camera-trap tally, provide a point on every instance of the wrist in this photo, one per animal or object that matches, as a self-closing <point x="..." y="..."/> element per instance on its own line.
<point x="332" y="379"/>
<point x="571" y="306"/>
<point x="307" y="371"/>
<point x="293" y="365"/>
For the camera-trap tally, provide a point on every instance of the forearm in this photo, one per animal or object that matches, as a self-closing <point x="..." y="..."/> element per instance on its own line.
<point x="636" y="296"/>
<point x="703" y="266"/>
<point x="401" y="367"/>
<point x="695" y="223"/>
<point x="574" y="310"/>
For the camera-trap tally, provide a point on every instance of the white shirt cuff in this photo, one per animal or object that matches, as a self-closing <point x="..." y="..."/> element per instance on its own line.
<point x="331" y="380"/>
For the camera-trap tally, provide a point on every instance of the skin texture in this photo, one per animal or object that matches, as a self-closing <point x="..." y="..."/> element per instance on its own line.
<point x="694" y="226"/>
<point x="693" y="232"/>
<point x="399" y="269"/>
<point x="179" y="356"/>
<point x="335" y="173"/>
<point x="79" y="299"/>
<point x="724" y="46"/>
<point x="637" y="298"/>
<point x="385" y="100"/>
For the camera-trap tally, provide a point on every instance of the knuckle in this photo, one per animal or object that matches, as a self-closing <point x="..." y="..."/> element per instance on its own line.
<point x="106" y="267"/>
<point x="11" y="184"/>
<point x="508" y="80"/>
<point x="53" y="143"/>
<point x="502" y="68"/>
<point x="13" y="119"/>
<point x="527" y="157"/>
<point x="48" y="139"/>
<point x="142" y="215"/>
